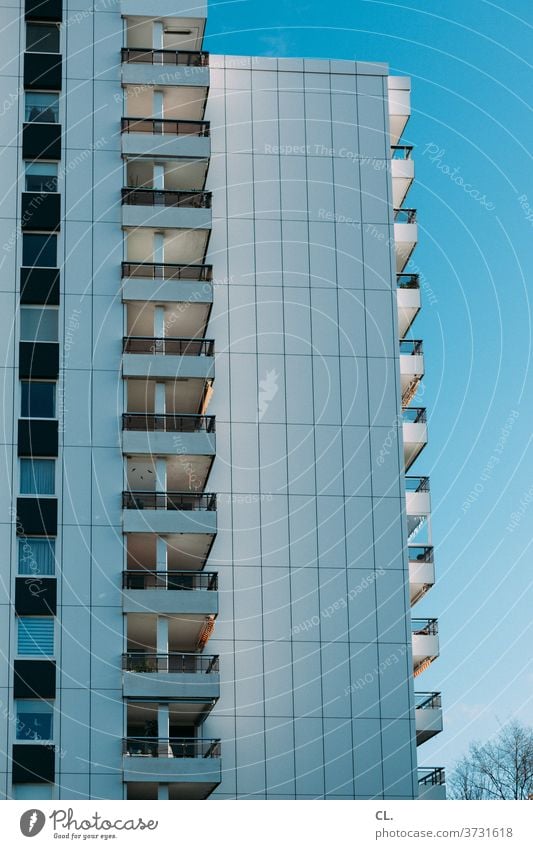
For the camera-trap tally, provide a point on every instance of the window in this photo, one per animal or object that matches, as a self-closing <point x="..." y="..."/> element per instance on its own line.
<point x="34" y="720"/>
<point x="38" y="399"/>
<point x="38" y="324"/>
<point x="42" y="38"/>
<point x="36" y="556"/>
<point x="39" y="249"/>
<point x="41" y="177"/>
<point x="42" y="106"/>
<point x="37" y="477"/>
<point x="36" y="636"/>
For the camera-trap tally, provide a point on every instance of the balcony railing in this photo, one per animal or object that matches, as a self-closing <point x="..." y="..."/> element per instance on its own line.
<point x="414" y="415"/>
<point x="194" y="58"/>
<point x="143" y="579"/>
<point x="408" y="281"/>
<point x="169" y="423"/>
<point x="420" y="553"/>
<point x="165" y="126"/>
<point x="405" y="216"/>
<point x="425" y="627"/>
<point x="401" y="151"/>
<point x="176" y="345"/>
<point x="431" y="775"/>
<point x="167" y="271"/>
<point x="170" y="747"/>
<point x="162" y="197"/>
<point x="416" y="484"/>
<point x="414" y="347"/>
<point x="138" y="500"/>
<point x="173" y="662"/>
<point x="426" y="701"/>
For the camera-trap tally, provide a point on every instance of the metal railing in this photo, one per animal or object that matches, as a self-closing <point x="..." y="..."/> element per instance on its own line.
<point x="414" y="415"/>
<point x="167" y="271"/>
<point x="139" y="500"/>
<point x="191" y="199"/>
<point x="414" y="347"/>
<point x="145" y="579"/>
<point x="173" y="662"/>
<point x="168" y="422"/>
<point x="425" y="627"/>
<point x="401" y="151"/>
<point x="416" y="483"/>
<point x="170" y="747"/>
<point x="405" y="216"/>
<point x="165" y="126"/>
<point x="177" y="345"/>
<point x="426" y="701"/>
<point x="431" y="775"/>
<point x="151" y="56"/>
<point x="420" y="553"/>
<point x="408" y="281"/>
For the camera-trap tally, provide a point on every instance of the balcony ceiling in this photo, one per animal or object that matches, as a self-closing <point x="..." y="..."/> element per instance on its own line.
<point x="183" y="319"/>
<point x="183" y="631"/>
<point x="182" y="396"/>
<point x="185" y="473"/>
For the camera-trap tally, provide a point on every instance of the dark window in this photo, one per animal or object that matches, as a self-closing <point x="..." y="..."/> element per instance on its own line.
<point x="42" y="38"/>
<point x="33" y="763"/>
<point x="39" y="249"/>
<point x="34" y="679"/>
<point x="38" y="399"/>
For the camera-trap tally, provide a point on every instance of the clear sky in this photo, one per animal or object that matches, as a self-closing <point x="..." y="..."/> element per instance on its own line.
<point x="472" y="85"/>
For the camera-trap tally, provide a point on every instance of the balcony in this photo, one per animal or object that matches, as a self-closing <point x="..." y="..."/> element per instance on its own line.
<point x="417" y="502"/>
<point x="408" y="299"/>
<point x="431" y="783"/>
<point x="170" y="357"/>
<point x="191" y="678"/>
<point x="415" y="434"/>
<point x="167" y="271"/>
<point x="165" y="137"/>
<point x="428" y="716"/>
<point x="176" y="395"/>
<point x="169" y="512"/>
<point x="421" y="571"/>
<point x="150" y="433"/>
<point x="411" y="368"/>
<point x="399" y="106"/>
<point x="187" y="285"/>
<point x="147" y="66"/>
<point x="402" y="171"/>
<point x="191" y="58"/>
<point x="170" y="592"/>
<point x="183" y="552"/>
<point x="193" y="764"/>
<point x="405" y="236"/>
<point x="425" y="643"/>
<point x="162" y="208"/>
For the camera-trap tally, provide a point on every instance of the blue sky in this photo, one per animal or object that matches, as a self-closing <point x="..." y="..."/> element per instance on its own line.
<point x="471" y="118"/>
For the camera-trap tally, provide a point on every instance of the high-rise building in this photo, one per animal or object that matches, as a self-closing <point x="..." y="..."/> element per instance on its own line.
<point x="192" y="610"/>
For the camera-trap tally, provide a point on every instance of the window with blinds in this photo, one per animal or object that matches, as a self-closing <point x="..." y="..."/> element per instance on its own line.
<point x="36" y="556"/>
<point x="36" y="636"/>
<point x="37" y="477"/>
